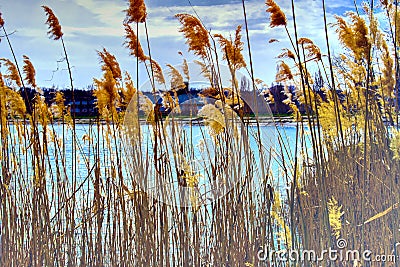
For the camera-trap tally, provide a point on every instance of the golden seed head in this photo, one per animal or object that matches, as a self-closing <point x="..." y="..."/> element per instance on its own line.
<point x="287" y="53"/>
<point x="129" y="91"/>
<point x="284" y="73"/>
<point x="157" y="70"/>
<point x="110" y="62"/>
<point x="55" y="31"/>
<point x="12" y="72"/>
<point x="354" y="35"/>
<point x="132" y="42"/>
<point x="29" y="72"/>
<point x="195" y="33"/>
<point x="277" y="16"/>
<point x="233" y="49"/>
<point x="176" y="78"/>
<point x="136" y="12"/>
<point x="1" y="21"/>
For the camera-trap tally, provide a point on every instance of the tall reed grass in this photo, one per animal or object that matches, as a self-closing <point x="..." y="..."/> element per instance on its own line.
<point x="125" y="189"/>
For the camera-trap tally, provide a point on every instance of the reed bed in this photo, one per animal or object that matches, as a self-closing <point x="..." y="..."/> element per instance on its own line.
<point x="127" y="189"/>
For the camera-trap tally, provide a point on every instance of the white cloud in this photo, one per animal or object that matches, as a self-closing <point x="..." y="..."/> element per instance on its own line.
<point x="91" y="24"/>
<point x="218" y="18"/>
<point x="108" y="12"/>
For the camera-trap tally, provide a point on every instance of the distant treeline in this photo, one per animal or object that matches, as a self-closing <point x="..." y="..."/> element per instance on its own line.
<point x="84" y="102"/>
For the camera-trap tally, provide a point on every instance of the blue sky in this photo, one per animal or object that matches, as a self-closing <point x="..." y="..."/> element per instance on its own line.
<point x="90" y="25"/>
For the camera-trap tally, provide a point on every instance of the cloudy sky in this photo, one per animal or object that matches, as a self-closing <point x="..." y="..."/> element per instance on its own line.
<point x="90" y="25"/>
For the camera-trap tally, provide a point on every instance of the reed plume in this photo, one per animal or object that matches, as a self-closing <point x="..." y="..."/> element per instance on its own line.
<point x="258" y="81"/>
<point x="168" y="101"/>
<point x="12" y="72"/>
<point x="106" y="95"/>
<point x="361" y="33"/>
<point x="29" y="71"/>
<point x="287" y="53"/>
<point x="355" y="35"/>
<point x="313" y="51"/>
<point x="177" y="83"/>
<point x="210" y="92"/>
<point x="157" y="70"/>
<point x="58" y="106"/>
<point x="129" y="91"/>
<point x="55" y="31"/>
<point x="12" y="100"/>
<point x="214" y="119"/>
<point x="1" y="21"/>
<point x="136" y="12"/>
<point x="195" y="33"/>
<point x="133" y="44"/>
<point x="110" y="62"/>
<point x="345" y="32"/>
<point x="388" y="80"/>
<point x="185" y="69"/>
<point x="16" y="104"/>
<point x="2" y="84"/>
<point x="176" y="78"/>
<point x="205" y="70"/>
<point x="232" y="49"/>
<point x="277" y="17"/>
<point x="375" y="35"/>
<point x="304" y="40"/>
<point x="42" y="112"/>
<point x="284" y="73"/>
<point x="292" y="105"/>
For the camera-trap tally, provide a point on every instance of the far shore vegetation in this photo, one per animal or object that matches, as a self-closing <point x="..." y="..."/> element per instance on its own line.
<point x="120" y="194"/>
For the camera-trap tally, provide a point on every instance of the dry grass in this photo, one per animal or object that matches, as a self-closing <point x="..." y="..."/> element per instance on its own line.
<point x="339" y="178"/>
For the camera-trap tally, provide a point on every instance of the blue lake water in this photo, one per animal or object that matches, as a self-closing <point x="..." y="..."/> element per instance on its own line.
<point x="97" y="144"/>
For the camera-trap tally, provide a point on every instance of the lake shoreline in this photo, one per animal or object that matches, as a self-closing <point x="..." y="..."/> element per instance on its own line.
<point x="277" y="120"/>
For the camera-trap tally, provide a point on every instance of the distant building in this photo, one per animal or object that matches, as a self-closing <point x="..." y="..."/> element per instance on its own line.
<point x="84" y="100"/>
